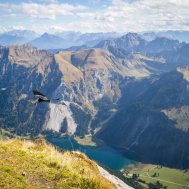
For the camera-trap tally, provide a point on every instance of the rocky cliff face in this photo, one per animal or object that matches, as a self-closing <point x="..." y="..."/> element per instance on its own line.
<point x="81" y="79"/>
<point x="92" y="83"/>
<point x="75" y="78"/>
<point x="87" y="76"/>
<point x="24" y="68"/>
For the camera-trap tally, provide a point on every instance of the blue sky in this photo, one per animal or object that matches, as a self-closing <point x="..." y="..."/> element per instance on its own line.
<point x="94" y="15"/>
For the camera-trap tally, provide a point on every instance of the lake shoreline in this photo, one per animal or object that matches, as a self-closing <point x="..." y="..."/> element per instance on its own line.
<point x="104" y="155"/>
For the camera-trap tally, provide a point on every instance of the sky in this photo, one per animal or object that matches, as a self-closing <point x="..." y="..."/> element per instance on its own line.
<point x="94" y="15"/>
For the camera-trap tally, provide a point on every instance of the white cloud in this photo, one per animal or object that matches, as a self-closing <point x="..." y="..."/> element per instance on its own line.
<point x="142" y="15"/>
<point x="49" y="1"/>
<point x="48" y="11"/>
<point x="120" y="15"/>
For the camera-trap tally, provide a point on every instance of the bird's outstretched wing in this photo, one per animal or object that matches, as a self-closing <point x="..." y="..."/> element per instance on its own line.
<point x="43" y="100"/>
<point x="40" y="97"/>
<point x="38" y="93"/>
<point x="33" y="101"/>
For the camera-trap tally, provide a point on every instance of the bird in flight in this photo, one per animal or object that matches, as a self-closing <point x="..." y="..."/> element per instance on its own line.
<point x="42" y="98"/>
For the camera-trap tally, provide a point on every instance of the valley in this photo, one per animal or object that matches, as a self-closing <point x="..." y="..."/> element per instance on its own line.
<point x="148" y="174"/>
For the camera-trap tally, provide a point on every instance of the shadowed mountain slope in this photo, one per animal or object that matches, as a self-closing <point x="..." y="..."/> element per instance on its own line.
<point x="154" y="125"/>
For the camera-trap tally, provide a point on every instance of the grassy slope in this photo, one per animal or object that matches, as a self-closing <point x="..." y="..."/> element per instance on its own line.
<point x="28" y="165"/>
<point x="172" y="178"/>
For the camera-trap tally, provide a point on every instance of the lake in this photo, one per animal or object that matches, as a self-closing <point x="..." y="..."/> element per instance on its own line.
<point x="104" y="155"/>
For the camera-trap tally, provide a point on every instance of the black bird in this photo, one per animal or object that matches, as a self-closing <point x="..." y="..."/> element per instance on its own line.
<point x="40" y="97"/>
<point x="43" y="100"/>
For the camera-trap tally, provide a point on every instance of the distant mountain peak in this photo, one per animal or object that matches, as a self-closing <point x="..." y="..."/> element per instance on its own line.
<point x="164" y="39"/>
<point x="130" y="42"/>
<point x="48" y="35"/>
<point x="131" y="35"/>
<point x="48" y="41"/>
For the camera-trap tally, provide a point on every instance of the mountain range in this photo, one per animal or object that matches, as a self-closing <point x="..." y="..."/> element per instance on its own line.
<point x="129" y="92"/>
<point x="61" y="40"/>
<point x="17" y="37"/>
<point x="182" y="36"/>
<point x="67" y="39"/>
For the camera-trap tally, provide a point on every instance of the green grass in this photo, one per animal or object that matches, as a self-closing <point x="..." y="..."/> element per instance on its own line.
<point x="36" y="165"/>
<point x="172" y="178"/>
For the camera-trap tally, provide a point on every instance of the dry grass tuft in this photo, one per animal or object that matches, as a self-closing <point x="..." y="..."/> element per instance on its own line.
<point x="26" y="164"/>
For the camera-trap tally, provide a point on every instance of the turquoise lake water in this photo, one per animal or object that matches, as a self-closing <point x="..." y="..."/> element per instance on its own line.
<point x="104" y="155"/>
